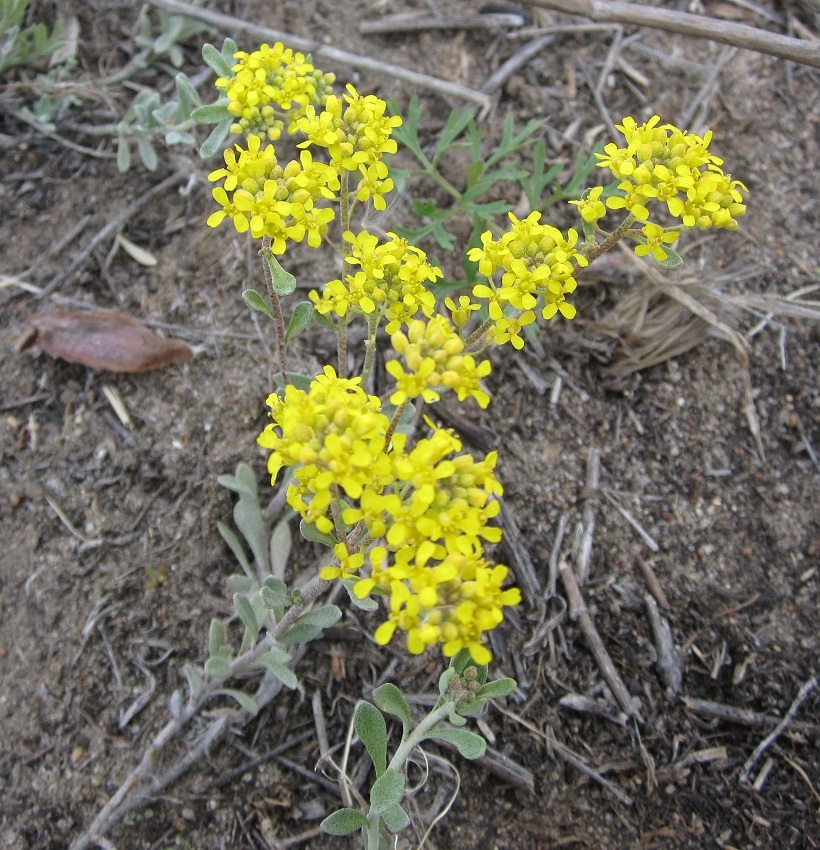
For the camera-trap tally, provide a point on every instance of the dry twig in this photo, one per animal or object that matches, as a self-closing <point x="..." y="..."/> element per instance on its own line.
<point x="669" y="661"/>
<point x="580" y="612"/>
<point x="421" y="22"/>
<point x="701" y="26"/>
<point x="321" y="51"/>
<point x="764" y="745"/>
<point x="569" y="756"/>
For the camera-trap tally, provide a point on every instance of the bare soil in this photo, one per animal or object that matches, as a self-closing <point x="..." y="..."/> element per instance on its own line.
<point x="95" y="617"/>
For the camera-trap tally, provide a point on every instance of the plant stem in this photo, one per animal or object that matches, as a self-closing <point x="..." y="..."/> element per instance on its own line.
<point x="341" y="349"/>
<point x="276" y="307"/>
<point x="474" y="340"/>
<point x="611" y="240"/>
<point x="394" y="423"/>
<point x="370" y="346"/>
<point x="405" y="748"/>
<point x="143" y="782"/>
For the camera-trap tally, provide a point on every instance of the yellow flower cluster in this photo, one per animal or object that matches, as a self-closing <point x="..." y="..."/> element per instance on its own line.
<point x="537" y="262"/>
<point x="271" y="88"/>
<point x="261" y="196"/>
<point x="390" y="281"/>
<point x="453" y="602"/>
<point x="357" y="135"/>
<point x="429" y="506"/>
<point x="434" y="353"/>
<point x="663" y="163"/>
<point x="334" y="435"/>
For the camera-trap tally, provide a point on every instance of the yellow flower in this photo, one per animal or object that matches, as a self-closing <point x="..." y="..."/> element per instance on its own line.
<point x="273" y="201"/>
<point x="591" y="207"/>
<point x="434" y="355"/>
<point x="392" y="281"/>
<point x="656" y="238"/>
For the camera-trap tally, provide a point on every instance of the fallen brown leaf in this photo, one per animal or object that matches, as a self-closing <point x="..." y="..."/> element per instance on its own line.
<point x="103" y="340"/>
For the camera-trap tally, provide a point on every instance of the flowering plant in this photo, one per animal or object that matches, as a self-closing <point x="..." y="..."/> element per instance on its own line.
<point x="407" y="517"/>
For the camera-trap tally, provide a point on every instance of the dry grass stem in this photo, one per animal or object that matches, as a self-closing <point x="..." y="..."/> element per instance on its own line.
<point x="700" y="26"/>
<point x="323" y="52"/>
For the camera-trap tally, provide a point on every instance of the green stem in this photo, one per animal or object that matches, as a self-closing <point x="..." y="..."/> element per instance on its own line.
<point x="278" y="315"/>
<point x="405" y="748"/>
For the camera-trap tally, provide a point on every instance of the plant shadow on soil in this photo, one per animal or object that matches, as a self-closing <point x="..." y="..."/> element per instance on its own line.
<point x="96" y="618"/>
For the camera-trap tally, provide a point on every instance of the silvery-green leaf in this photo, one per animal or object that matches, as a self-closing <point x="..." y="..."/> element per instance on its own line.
<point x="284" y="283"/>
<point x="218" y="667"/>
<point x="245" y="700"/>
<point x="238" y="485"/>
<point x="390" y="699"/>
<point x="445" y="679"/>
<point x="147" y="154"/>
<point x="344" y="822"/>
<point x="249" y="520"/>
<point x="455" y="718"/>
<point x="123" y="155"/>
<point x="312" y="624"/>
<point x="216" y="61"/>
<point x="299" y="320"/>
<point x="497" y="689"/>
<point x="285" y="675"/>
<point x="241" y="584"/>
<point x="469" y="744"/>
<point x="369" y="724"/>
<point x="673" y="259"/>
<point x="276" y="660"/>
<point x="256" y="302"/>
<point x="309" y="531"/>
<point x="216" y="637"/>
<point x="395" y="818"/>
<point x="212" y="113"/>
<point x="216" y="140"/>
<point x="387" y="790"/>
<point x="273" y="601"/>
<point x="187" y="95"/>
<point x="164" y="113"/>
<point x="248" y="477"/>
<point x="281" y="541"/>
<point x="246" y="613"/>
<point x="276" y="585"/>
<point x="236" y="547"/>
<point x="194" y="679"/>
